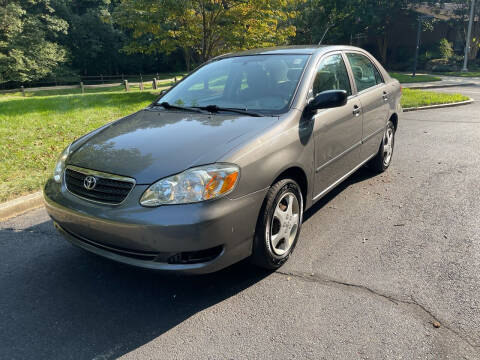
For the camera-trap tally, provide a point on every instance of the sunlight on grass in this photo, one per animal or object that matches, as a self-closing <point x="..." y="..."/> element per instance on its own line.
<point x="34" y="130"/>
<point x="416" y="98"/>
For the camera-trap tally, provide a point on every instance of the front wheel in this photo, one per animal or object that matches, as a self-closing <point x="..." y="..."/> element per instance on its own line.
<point x="383" y="159"/>
<point x="279" y="224"/>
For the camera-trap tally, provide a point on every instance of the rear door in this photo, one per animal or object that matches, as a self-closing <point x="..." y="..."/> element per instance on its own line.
<point x="373" y="95"/>
<point x="338" y="131"/>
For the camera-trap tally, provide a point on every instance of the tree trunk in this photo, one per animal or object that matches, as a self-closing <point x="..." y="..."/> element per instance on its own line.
<point x="382" y="42"/>
<point x="204" y="34"/>
<point x="188" y="58"/>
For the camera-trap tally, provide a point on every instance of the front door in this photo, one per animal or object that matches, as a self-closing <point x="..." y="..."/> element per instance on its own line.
<point x="338" y="131"/>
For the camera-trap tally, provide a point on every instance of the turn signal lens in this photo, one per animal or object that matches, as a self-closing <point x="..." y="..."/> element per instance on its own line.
<point x="193" y="185"/>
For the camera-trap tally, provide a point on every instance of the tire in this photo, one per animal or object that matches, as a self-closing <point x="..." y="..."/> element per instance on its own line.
<point x="383" y="159"/>
<point x="278" y="225"/>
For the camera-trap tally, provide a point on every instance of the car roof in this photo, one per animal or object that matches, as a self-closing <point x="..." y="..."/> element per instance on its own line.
<point x="293" y="50"/>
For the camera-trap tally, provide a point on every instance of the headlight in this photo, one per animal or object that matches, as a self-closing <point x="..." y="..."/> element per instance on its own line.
<point x="193" y="185"/>
<point x="60" y="166"/>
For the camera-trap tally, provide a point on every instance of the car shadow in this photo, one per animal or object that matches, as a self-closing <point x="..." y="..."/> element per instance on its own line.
<point x="362" y="174"/>
<point x="58" y="301"/>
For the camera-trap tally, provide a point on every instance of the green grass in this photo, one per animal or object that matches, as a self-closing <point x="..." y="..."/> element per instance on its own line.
<point x="35" y="129"/>
<point x="415" y="98"/>
<point x="407" y="78"/>
<point x="462" y="74"/>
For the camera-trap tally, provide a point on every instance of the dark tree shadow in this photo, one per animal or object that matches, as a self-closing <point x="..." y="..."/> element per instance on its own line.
<point x="60" y="302"/>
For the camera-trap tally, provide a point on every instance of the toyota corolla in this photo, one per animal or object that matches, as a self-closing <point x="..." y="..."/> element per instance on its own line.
<point x="223" y="165"/>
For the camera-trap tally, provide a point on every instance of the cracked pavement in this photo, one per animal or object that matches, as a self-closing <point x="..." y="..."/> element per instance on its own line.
<point x="387" y="267"/>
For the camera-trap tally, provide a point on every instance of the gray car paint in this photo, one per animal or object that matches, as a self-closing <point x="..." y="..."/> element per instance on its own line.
<point x="320" y="151"/>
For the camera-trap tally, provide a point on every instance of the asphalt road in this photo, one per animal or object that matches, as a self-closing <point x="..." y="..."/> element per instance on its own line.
<point x="380" y="261"/>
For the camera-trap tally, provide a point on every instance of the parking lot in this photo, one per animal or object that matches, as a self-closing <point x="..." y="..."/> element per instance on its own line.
<point x="387" y="266"/>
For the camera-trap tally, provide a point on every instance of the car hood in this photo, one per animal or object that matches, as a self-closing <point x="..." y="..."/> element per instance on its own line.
<point x="153" y="144"/>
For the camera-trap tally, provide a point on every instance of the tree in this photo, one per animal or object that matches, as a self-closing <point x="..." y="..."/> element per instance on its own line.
<point x="332" y="18"/>
<point x="28" y="33"/>
<point x="205" y="28"/>
<point x="92" y="40"/>
<point x="462" y="12"/>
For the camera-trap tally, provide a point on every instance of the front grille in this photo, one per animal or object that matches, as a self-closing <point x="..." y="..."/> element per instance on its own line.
<point x="107" y="190"/>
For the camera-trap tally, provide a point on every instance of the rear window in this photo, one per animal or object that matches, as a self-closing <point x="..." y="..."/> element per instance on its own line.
<point x="364" y="71"/>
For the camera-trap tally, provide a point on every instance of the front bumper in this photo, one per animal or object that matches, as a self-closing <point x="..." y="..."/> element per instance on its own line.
<point x="194" y="238"/>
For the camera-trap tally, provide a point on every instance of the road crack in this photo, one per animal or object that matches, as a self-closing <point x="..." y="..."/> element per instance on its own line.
<point x="411" y="302"/>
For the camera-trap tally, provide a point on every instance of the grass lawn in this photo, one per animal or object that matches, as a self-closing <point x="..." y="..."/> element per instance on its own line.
<point x="407" y="78"/>
<point x="35" y="129"/>
<point x="415" y="98"/>
<point x="462" y="74"/>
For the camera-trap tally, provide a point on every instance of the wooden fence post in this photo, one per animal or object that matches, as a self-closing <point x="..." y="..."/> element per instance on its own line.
<point x="125" y="82"/>
<point x="141" y="82"/>
<point x="175" y="80"/>
<point x="82" y="87"/>
<point x="154" y="83"/>
<point x="101" y="77"/>
<point x="23" y="90"/>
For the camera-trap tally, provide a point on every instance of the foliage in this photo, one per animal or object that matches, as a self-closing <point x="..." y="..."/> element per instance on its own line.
<point x="324" y="17"/>
<point x="461" y="20"/>
<point x="446" y="49"/>
<point x="28" y="33"/>
<point x="350" y="20"/>
<point x="205" y="28"/>
<point x="92" y="39"/>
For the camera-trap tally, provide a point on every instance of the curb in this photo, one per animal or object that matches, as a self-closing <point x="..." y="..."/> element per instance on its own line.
<point x="435" y="86"/>
<point x="439" y="106"/>
<point x="20" y="205"/>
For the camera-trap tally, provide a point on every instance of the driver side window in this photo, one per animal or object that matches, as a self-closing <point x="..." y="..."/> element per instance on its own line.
<point x="332" y="75"/>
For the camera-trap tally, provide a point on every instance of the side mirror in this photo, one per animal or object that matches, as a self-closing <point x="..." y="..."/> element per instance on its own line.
<point x="327" y="100"/>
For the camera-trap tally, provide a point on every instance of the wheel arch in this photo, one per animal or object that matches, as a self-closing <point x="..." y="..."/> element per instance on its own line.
<point x="298" y="174"/>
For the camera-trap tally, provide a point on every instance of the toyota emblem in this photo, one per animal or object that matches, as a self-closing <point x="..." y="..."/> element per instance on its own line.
<point x="89" y="182"/>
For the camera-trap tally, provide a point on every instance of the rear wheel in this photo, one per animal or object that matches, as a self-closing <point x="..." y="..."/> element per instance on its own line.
<point x="279" y="224"/>
<point x="383" y="159"/>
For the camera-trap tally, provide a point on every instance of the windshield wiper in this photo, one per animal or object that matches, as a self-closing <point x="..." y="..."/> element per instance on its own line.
<point x="216" y="108"/>
<point x="168" y="106"/>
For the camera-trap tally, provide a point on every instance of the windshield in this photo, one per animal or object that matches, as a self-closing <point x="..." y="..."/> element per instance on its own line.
<point x="264" y="83"/>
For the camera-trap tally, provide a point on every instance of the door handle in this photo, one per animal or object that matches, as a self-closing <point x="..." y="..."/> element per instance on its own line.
<point x="356" y="111"/>
<point x="385" y="96"/>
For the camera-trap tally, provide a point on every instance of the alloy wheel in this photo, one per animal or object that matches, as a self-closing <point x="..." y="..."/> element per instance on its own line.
<point x="285" y="224"/>
<point x="388" y="140"/>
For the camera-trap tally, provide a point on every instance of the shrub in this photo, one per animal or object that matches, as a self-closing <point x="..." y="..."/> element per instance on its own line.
<point x="446" y="49"/>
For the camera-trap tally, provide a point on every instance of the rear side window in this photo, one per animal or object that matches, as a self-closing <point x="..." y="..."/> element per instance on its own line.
<point x="365" y="73"/>
<point x="332" y="75"/>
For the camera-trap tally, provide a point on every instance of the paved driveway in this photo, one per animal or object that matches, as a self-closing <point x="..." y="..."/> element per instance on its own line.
<point x="380" y="261"/>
